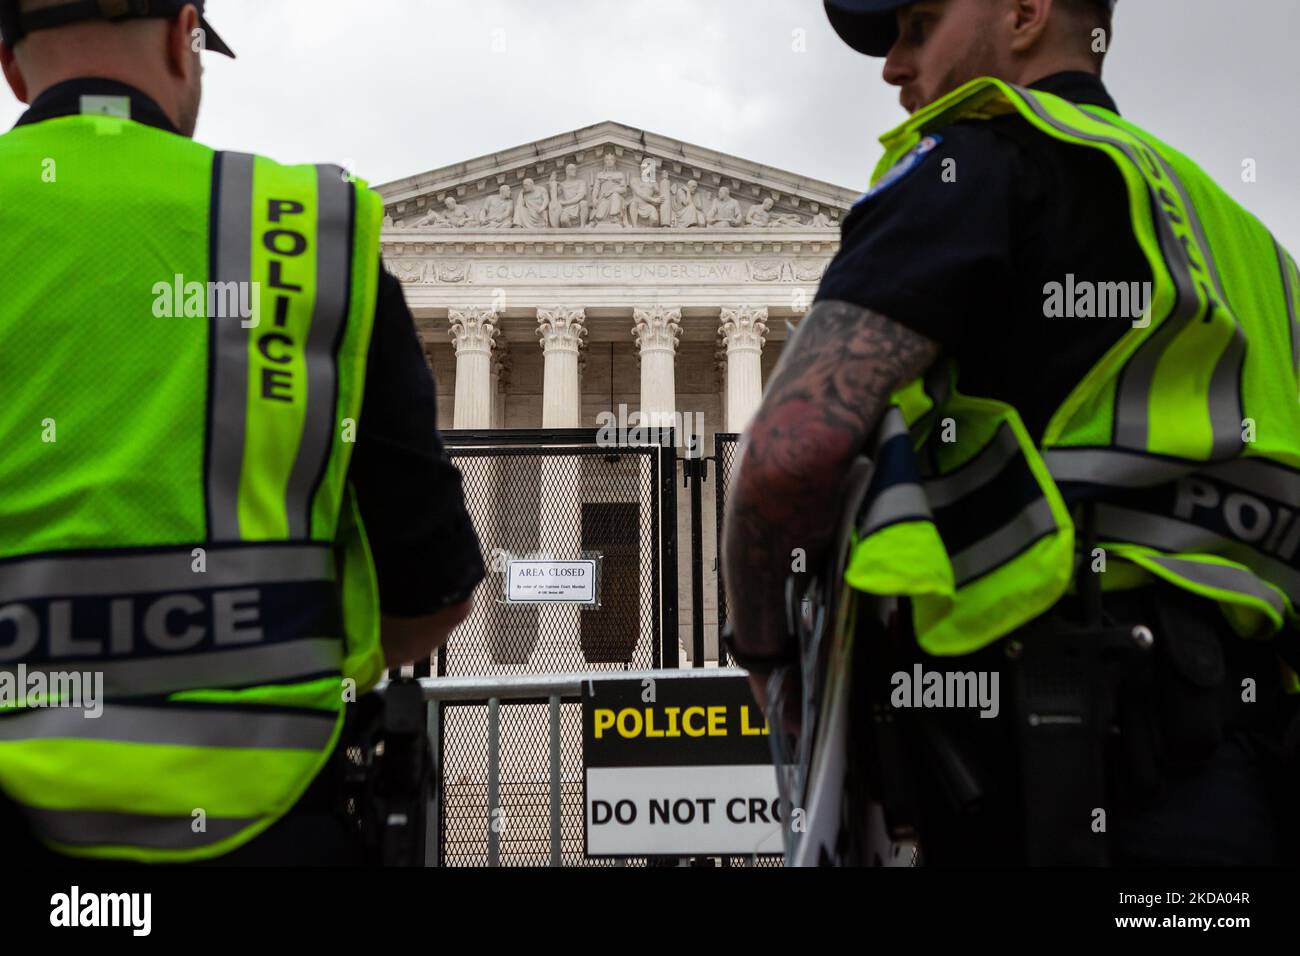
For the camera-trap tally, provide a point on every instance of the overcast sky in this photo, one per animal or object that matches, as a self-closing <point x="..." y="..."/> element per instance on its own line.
<point x="397" y="87"/>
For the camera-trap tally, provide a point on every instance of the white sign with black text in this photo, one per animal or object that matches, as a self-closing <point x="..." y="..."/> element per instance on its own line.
<point x="544" y="581"/>
<point x="683" y="810"/>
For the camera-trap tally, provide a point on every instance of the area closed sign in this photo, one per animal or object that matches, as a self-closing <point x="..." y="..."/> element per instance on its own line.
<point x="677" y="767"/>
<point x="551" y="582"/>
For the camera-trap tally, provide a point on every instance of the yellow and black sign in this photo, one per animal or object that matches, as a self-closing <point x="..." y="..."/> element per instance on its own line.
<point x="671" y="722"/>
<point x="677" y="766"/>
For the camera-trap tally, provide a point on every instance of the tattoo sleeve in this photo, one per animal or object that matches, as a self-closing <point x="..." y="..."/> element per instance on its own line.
<point x="823" y="403"/>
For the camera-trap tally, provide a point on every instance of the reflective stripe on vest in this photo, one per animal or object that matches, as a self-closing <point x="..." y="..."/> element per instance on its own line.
<point x="256" y="490"/>
<point x="107" y="574"/>
<point x="151" y="624"/>
<point x="83" y="830"/>
<point x="896" y="495"/>
<point x="1188" y="538"/>
<point x="210" y="727"/>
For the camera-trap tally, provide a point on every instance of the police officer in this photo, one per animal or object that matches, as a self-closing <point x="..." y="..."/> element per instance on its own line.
<point x="1073" y="360"/>
<point x="223" y="499"/>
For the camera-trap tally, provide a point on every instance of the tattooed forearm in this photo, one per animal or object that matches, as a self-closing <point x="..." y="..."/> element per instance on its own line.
<point x="825" y="398"/>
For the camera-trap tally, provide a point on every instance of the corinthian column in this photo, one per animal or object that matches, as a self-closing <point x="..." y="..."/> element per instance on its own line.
<point x="657" y="331"/>
<point x="472" y="330"/>
<point x="743" y="330"/>
<point x="561" y="331"/>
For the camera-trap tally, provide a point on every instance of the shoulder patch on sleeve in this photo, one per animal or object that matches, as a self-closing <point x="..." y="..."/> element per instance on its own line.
<point x="903" y="167"/>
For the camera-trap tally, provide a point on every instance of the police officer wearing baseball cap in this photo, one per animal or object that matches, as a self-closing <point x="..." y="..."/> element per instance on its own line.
<point x="871" y="26"/>
<point x="94" y="209"/>
<point x="1016" y="175"/>
<point x="16" y="21"/>
<point x="59" y="30"/>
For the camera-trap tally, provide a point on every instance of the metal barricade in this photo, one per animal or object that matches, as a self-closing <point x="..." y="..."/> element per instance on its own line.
<point x="499" y="814"/>
<point x="561" y="493"/>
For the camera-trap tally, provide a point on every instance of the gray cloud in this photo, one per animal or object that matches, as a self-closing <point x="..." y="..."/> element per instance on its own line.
<point x="397" y="87"/>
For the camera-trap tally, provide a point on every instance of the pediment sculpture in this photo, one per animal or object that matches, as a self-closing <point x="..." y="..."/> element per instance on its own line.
<point x="609" y="198"/>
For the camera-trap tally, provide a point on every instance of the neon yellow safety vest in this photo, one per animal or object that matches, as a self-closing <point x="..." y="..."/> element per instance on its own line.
<point x="1185" y="435"/>
<point x="183" y="343"/>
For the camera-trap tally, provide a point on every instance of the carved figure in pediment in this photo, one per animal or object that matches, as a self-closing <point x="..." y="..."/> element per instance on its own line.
<point x="457" y="216"/>
<point x="569" y="202"/>
<point x="432" y="218"/>
<point x="531" y="207"/>
<point x="388" y="220"/>
<point x="452" y="216"/>
<point x="649" y="199"/>
<point x="499" y="211"/>
<point x="666" y="208"/>
<point x="687" y="208"/>
<point x="609" y="195"/>
<point x="762" y="216"/>
<point x="822" y="221"/>
<point x="724" y="211"/>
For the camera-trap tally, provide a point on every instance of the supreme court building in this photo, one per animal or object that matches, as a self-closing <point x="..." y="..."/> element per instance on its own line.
<point x="607" y="267"/>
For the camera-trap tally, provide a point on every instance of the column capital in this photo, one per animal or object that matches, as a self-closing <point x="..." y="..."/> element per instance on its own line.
<point x="472" y="328"/>
<point x="744" y="328"/>
<point x="561" y="329"/>
<point x="657" y="329"/>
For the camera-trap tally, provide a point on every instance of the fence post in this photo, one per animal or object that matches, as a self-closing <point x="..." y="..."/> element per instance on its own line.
<point x="433" y="816"/>
<point x="724" y="454"/>
<point x="695" y="469"/>
<point x="666" y="503"/>
<point x="494" y="780"/>
<point x="556" y="782"/>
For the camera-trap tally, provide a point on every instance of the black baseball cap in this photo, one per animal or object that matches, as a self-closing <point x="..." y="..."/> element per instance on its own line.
<point x="870" y="26"/>
<point x="14" y="25"/>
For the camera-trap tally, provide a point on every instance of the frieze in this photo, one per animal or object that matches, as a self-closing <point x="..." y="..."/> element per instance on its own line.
<point x="495" y="272"/>
<point x="613" y="272"/>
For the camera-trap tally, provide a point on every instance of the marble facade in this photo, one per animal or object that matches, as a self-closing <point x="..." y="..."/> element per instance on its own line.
<point x="560" y="279"/>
